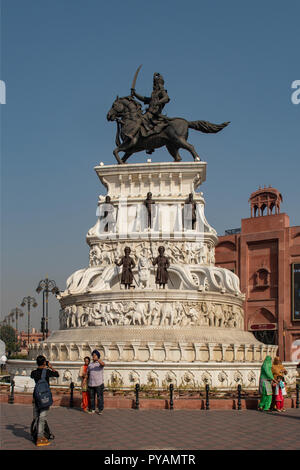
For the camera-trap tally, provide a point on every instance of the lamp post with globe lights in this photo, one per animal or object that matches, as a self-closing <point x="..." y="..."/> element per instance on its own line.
<point x="29" y="301"/>
<point x="16" y="313"/>
<point x="46" y="285"/>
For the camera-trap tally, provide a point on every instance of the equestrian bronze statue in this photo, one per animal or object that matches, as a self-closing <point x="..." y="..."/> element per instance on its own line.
<point x="138" y="131"/>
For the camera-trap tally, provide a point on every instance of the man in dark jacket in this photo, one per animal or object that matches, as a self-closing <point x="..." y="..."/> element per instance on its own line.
<point x="41" y="414"/>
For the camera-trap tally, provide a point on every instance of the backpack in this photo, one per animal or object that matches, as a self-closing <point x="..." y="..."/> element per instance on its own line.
<point x="34" y="430"/>
<point x="42" y="393"/>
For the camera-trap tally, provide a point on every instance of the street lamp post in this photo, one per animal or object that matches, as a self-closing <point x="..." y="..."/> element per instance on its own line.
<point x="15" y="314"/>
<point x="30" y="301"/>
<point x="46" y="285"/>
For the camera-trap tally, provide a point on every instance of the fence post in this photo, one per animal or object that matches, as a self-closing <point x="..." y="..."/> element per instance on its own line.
<point x="71" y="394"/>
<point x="239" y="397"/>
<point x="12" y="391"/>
<point x="297" y="395"/>
<point x="207" y="397"/>
<point x="171" y="397"/>
<point x="137" y="401"/>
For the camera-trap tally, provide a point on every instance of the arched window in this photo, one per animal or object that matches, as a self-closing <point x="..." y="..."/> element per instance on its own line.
<point x="262" y="278"/>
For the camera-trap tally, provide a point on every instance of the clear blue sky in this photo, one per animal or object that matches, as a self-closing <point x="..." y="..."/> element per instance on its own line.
<point x="64" y="61"/>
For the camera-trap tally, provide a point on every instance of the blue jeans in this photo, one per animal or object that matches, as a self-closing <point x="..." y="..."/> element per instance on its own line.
<point x="93" y="391"/>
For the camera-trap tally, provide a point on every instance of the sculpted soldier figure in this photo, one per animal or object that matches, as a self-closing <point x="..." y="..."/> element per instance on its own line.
<point x="128" y="264"/>
<point x="190" y="211"/>
<point x="108" y="215"/>
<point x="163" y="264"/>
<point x="149" y="206"/>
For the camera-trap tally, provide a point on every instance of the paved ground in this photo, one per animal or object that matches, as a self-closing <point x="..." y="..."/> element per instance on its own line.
<point x="154" y="429"/>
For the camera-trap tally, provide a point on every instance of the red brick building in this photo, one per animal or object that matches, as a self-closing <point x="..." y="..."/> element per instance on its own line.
<point x="265" y="254"/>
<point x="34" y="337"/>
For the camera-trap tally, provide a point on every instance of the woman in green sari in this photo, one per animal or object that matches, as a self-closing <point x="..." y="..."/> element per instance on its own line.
<point x="265" y="385"/>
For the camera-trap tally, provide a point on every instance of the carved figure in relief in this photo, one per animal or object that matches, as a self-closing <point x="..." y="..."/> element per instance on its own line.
<point x="95" y="256"/>
<point x="219" y="316"/>
<point x="211" y="255"/>
<point x="154" y="311"/>
<point x="203" y="319"/>
<point x="123" y="320"/>
<point x="99" y="315"/>
<point x="179" y="313"/>
<point x="231" y="322"/>
<point x="152" y="379"/>
<point x="111" y="316"/>
<point x="188" y="254"/>
<point x="107" y="256"/>
<point x="196" y="279"/>
<point x="238" y="316"/>
<point x="137" y="313"/>
<point x="193" y="313"/>
<point x="85" y="317"/>
<point x="172" y="252"/>
<point x="144" y="269"/>
<point x="210" y="314"/>
<point x="168" y="314"/>
<point x="203" y="255"/>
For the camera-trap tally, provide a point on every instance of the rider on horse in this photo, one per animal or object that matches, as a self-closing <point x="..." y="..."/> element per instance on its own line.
<point x="153" y="122"/>
<point x="138" y="131"/>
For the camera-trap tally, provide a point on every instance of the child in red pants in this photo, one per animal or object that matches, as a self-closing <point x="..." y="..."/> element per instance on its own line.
<point x="279" y="395"/>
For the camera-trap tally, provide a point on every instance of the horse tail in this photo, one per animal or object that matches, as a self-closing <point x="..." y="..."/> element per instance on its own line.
<point x="207" y="127"/>
<point x="118" y="141"/>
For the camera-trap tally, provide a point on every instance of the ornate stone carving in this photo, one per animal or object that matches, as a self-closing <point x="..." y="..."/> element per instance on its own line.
<point x="238" y="377"/>
<point x="170" y="377"/>
<point x="151" y="313"/>
<point x="193" y="253"/>
<point x="188" y="379"/>
<point x="152" y="379"/>
<point x="251" y="378"/>
<point x="223" y="378"/>
<point x="134" y="377"/>
<point x="115" y="380"/>
<point x="144" y="269"/>
<point x="206" y="378"/>
<point x="67" y="375"/>
<point x="290" y="377"/>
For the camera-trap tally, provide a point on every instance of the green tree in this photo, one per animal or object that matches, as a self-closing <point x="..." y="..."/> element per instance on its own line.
<point x="9" y="336"/>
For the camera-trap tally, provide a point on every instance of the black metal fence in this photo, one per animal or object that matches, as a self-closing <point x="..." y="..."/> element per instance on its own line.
<point x="137" y="391"/>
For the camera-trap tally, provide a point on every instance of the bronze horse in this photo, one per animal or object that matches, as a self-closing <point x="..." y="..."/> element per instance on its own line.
<point x="127" y="112"/>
